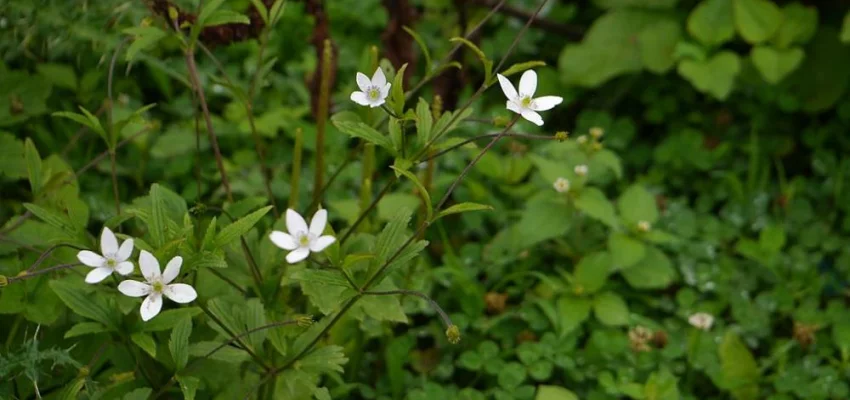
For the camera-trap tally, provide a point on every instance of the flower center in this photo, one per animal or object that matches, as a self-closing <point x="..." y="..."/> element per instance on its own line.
<point x="526" y="101"/>
<point x="304" y="240"/>
<point x="111" y="262"/>
<point x="157" y="287"/>
<point x="373" y="93"/>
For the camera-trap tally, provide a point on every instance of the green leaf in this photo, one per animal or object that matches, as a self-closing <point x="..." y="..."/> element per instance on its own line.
<point x="593" y="202"/>
<point x="486" y="62"/>
<point x="189" y="386"/>
<point x="422" y="47"/>
<point x="757" y="20"/>
<point x="799" y="24"/>
<point x="233" y="231"/>
<point x="145" y="342"/>
<point x="228" y="354"/>
<point x="144" y="38"/>
<point x="772" y="238"/>
<point x="262" y="10"/>
<point x="661" y="385"/>
<point x="841" y="334"/>
<point x="157" y="221"/>
<point x="611" y="309"/>
<point x="625" y="251"/>
<point x="72" y="390"/>
<point x="424" y="121"/>
<point x="12" y="161"/>
<point x="209" y="8"/>
<point x="85" y="328"/>
<point x="573" y="311"/>
<point x="397" y="91"/>
<point x="822" y="79"/>
<point x="33" y="161"/>
<point x="775" y="64"/>
<point x="592" y="272"/>
<point x="711" y="22"/>
<point x="715" y="76"/>
<point x="657" y="44"/>
<point x="325" y="289"/>
<point x="655" y="271"/>
<point x="81" y="303"/>
<point x="845" y="28"/>
<point x="636" y="204"/>
<point x="179" y="343"/>
<point x="138" y="394"/>
<point x="462" y="208"/>
<point x="547" y="392"/>
<point x="53" y="218"/>
<point x="521" y="67"/>
<point x="365" y="132"/>
<point x="168" y="319"/>
<point x="426" y="197"/>
<point x="511" y="375"/>
<point x="61" y="75"/>
<point x="739" y="370"/>
<point x="222" y="17"/>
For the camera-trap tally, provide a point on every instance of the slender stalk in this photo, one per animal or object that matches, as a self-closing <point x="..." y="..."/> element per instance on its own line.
<point x="369" y="209"/>
<point x="366" y="175"/>
<point x="297" y="154"/>
<point x="484" y="136"/>
<point x="229" y="281"/>
<point x="258" y="142"/>
<point x="445" y="317"/>
<point x="114" y="182"/>
<point x="332" y="179"/>
<point x="28" y="275"/>
<point x="322" y="118"/>
<point x="113" y="136"/>
<point x="47" y="253"/>
<point x="245" y="347"/>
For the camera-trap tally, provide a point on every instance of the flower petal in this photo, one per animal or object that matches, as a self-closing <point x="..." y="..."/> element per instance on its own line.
<point x="108" y="242"/>
<point x="124" y="268"/>
<point x="377" y="103"/>
<point x="360" y="98"/>
<point x="546" y="103"/>
<point x="283" y="240"/>
<point x="98" y="274"/>
<point x="297" y="255"/>
<point x="317" y="224"/>
<point x="180" y="293"/>
<point x="528" y="83"/>
<point x="149" y="266"/>
<point x="379" y="79"/>
<point x="532" y="117"/>
<point x="321" y="243"/>
<point x="511" y="105"/>
<point x="385" y="91"/>
<point x="151" y="306"/>
<point x="91" y="258"/>
<point x="295" y="223"/>
<point x="507" y="87"/>
<point x="134" y="288"/>
<point x="125" y="251"/>
<point x="363" y="81"/>
<point x="172" y="269"/>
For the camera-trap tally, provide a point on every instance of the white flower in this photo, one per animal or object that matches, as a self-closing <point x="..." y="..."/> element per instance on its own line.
<point x="644" y="226"/>
<point x="111" y="258"/>
<point x="373" y="92"/>
<point x="701" y="320"/>
<point x="523" y="103"/>
<point x="561" y="185"/>
<point x="582" y="139"/>
<point x="581" y="170"/>
<point x="301" y="240"/>
<point x="158" y="284"/>
<point x="596" y="132"/>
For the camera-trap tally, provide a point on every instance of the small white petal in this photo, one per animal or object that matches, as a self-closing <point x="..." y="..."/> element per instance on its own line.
<point x="507" y="87"/>
<point x="172" y="269"/>
<point x="134" y="289"/>
<point x="532" y="117"/>
<point x="385" y="91"/>
<point x="363" y="81"/>
<point x="379" y="79"/>
<point x="108" y="242"/>
<point x="513" y="107"/>
<point x="180" y="293"/>
<point x="318" y="222"/>
<point x="360" y="98"/>
<point x="377" y="103"/>
<point x="283" y="240"/>
<point x="295" y="223"/>
<point x="91" y="258"/>
<point x="124" y="268"/>
<point x="546" y="103"/>
<point x="98" y="274"/>
<point x="297" y="255"/>
<point x="321" y="243"/>
<point x="151" y="306"/>
<point x="149" y="266"/>
<point x="528" y="83"/>
<point x="125" y="251"/>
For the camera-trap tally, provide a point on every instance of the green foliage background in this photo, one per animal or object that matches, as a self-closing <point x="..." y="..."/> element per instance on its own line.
<point x="724" y="125"/>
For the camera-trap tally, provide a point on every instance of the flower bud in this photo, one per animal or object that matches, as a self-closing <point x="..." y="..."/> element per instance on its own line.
<point x="581" y="170"/>
<point x="83" y="372"/>
<point x="561" y="185"/>
<point x="596" y="132"/>
<point x="644" y="226"/>
<point x="4" y="281"/>
<point x="597" y="146"/>
<point x="173" y="13"/>
<point x="561" y="136"/>
<point x="304" y="320"/>
<point x="453" y="334"/>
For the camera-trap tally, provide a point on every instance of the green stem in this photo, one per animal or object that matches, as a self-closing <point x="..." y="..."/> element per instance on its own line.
<point x="321" y="119"/>
<point x="295" y="182"/>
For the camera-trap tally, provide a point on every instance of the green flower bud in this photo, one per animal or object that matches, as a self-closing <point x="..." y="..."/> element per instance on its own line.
<point x="561" y="136"/>
<point x="4" y="281"/>
<point x="304" y="320"/>
<point x="453" y="334"/>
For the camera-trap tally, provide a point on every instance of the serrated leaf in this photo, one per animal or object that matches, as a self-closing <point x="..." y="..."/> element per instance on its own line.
<point x="145" y="342"/>
<point x="33" y="160"/>
<point x="52" y="218"/>
<point x="85" y="328"/>
<point x="138" y="394"/>
<point x="240" y="227"/>
<point x="144" y="38"/>
<point x="179" y="343"/>
<point x="654" y="271"/>
<point x="520" y="67"/>
<point x="739" y="370"/>
<point x="81" y="303"/>
<point x="189" y="386"/>
<point x="397" y="91"/>
<point x="424" y="121"/>
<point x="462" y="208"/>
<point x="486" y="62"/>
<point x="365" y="132"/>
<point x="261" y="9"/>
<point x="226" y="354"/>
